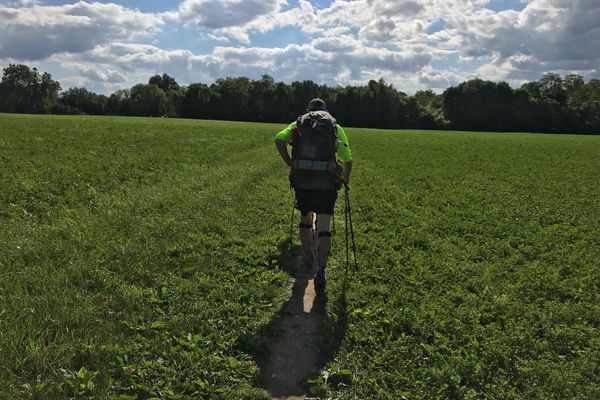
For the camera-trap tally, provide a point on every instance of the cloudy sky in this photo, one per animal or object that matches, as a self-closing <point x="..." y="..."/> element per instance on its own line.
<point x="414" y="44"/>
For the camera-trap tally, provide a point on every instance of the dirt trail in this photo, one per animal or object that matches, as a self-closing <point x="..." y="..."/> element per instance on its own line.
<point x="293" y="353"/>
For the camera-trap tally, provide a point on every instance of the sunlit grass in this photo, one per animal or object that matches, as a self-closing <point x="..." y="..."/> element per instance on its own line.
<point x="139" y="257"/>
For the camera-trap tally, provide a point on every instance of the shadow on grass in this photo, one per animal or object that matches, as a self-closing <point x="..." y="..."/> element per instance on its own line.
<point x="304" y="335"/>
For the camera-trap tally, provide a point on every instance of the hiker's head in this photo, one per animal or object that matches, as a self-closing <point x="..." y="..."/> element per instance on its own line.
<point x="316" y="105"/>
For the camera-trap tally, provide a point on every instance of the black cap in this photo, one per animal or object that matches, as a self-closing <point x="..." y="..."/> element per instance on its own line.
<point x="316" y="104"/>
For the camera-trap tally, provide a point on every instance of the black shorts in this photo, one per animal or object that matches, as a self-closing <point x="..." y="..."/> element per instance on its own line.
<point x="319" y="201"/>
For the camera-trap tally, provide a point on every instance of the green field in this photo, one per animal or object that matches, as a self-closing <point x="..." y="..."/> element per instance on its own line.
<point x="145" y="258"/>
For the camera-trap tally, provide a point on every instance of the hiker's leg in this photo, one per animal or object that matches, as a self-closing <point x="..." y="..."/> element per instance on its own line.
<point x="324" y="238"/>
<point x="306" y="232"/>
<point x="306" y="222"/>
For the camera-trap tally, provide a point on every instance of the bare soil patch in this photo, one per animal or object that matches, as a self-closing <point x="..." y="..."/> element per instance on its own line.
<point x="293" y="354"/>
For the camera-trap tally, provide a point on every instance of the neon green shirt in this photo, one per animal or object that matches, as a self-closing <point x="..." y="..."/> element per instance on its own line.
<point x="341" y="147"/>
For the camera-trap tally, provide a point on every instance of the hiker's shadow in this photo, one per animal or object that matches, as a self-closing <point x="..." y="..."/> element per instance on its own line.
<point x="304" y="335"/>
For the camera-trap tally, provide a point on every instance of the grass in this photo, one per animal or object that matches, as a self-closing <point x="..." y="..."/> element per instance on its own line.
<point x="141" y="258"/>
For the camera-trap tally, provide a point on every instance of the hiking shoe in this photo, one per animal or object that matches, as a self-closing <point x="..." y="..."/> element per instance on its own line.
<point x="307" y="259"/>
<point x="319" y="279"/>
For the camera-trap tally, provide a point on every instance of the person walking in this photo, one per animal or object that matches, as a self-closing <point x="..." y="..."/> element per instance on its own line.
<point x="316" y="176"/>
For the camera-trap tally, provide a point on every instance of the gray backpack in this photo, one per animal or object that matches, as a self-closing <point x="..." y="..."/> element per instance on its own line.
<point x="313" y="152"/>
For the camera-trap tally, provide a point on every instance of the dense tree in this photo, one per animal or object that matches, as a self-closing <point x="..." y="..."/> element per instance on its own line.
<point x="262" y="93"/>
<point x="431" y="107"/>
<point x="174" y="100"/>
<point x="148" y="100"/>
<point x="81" y="101"/>
<point x="119" y="103"/>
<point x="282" y="110"/>
<point x="552" y="104"/>
<point x="548" y="107"/>
<point x="584" y="102"/>
<point x="175" y="94"/>
<point x="196" y="101"/>
<point x="165" y="82"/>
<point x="573" y="83"/>
<point x="483" y="105"/>
<point x="232" y="99"/>
<point x="24" y="90"/>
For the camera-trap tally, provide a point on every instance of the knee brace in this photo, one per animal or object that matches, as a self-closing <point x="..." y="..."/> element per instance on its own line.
<point x="324" y="234"/>
<point x="305" y="226"/>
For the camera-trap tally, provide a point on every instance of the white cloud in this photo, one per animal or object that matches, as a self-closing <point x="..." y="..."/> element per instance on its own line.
<point x="388" y="8"/>
<point x="120" y="64"/>
<point x="548" y="35"/>
<point x="37" y="31"/>
<point x="328" y="60"/>
<point x="215" y="14"/>
<point x="233" y="18"/>
<point x="349" y="41"/>
<point x="336" y="44"/>
<point x="98" y="74"/>
<point x="379" y="30"/>
<point x="441" y="79"/>
<point x="337" y="60"/>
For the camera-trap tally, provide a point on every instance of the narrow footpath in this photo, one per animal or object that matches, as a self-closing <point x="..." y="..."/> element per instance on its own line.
<point x="293" y="353"/>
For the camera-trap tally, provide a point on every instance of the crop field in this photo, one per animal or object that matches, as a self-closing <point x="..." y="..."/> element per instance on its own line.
<point x="149" y="258"/>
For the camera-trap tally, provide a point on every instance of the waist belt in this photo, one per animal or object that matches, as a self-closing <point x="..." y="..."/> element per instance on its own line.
<point x="313" y="165"/>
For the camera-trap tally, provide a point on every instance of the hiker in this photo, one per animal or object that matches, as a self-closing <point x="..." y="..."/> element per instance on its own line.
<point x="316" y="176"/>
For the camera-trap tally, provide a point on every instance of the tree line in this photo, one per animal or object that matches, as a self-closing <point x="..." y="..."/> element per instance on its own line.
<point x="553" y="104"/>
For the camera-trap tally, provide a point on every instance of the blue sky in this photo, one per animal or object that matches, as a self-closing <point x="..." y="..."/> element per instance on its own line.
<point x="500" y="5"/>
<point x="414" y="44"/>
<point x="149" y="6"/>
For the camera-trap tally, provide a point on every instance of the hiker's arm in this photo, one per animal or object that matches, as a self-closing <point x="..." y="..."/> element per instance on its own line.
<point x="347" y="171"/>
<point x="283" y="152"/>
<point x="344" y="153"/>
<point x="282" y="139"/>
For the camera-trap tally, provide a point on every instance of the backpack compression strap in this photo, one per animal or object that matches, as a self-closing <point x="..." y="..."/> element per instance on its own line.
<point x="313" y="165"/>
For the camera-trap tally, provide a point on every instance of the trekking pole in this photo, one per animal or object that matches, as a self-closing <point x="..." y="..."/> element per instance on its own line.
<point x="346" y="229"/>
<point x="351" y="226"/>
<point x="315" y="236"/>
<point x="292" y="228"/>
